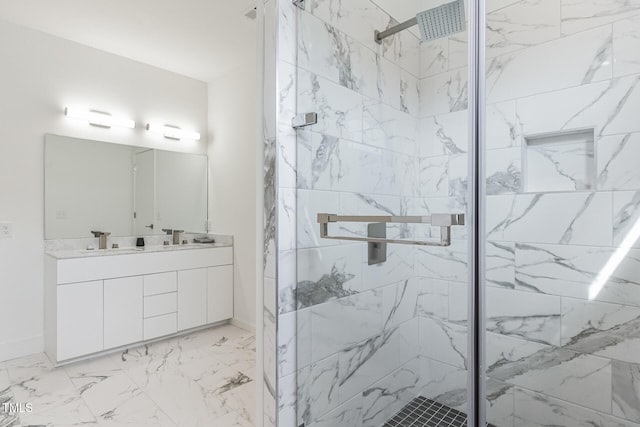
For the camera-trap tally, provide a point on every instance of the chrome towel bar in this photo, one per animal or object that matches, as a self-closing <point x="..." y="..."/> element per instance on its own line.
<point x="444" y="221"/>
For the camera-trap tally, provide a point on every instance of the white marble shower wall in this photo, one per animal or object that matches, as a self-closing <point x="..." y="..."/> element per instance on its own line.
<point x="347" y="332"/>
<point x="559" y="353"/>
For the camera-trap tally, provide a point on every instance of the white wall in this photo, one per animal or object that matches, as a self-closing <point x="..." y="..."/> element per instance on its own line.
<point x="40" y="74"/>
<point x="232" y="154"/>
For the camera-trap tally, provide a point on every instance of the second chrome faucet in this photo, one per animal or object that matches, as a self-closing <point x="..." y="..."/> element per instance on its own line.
<point x="177" y="234"/>
<point x="102" y="238"/>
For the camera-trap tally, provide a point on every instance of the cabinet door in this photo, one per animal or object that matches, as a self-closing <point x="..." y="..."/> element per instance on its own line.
<point x="192" y="298"/>
<point x="123" y="311"/>
<point x="79" y="319"/>
<point x="219" y="293"/>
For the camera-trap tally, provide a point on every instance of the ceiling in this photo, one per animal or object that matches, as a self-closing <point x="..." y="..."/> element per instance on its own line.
<point x="202" y="39"/>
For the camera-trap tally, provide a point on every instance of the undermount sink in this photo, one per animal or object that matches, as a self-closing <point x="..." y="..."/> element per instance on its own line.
<point x="113" y="250"/>
<point x="154" y="248"/>
<point x="129" y="250"/>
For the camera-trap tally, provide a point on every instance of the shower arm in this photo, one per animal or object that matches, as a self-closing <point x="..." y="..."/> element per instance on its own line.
<point x="444" y="221"/>
<point x="381" y="35"/>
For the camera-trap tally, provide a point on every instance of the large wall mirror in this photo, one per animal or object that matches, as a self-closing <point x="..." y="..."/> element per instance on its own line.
<point x="124" y="190"/>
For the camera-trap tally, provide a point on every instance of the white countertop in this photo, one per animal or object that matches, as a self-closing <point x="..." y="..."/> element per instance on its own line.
<point x="84" y="253"/>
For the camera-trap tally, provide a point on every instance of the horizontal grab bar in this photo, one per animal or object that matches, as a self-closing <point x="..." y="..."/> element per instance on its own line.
<point x="439" y="220"/>
<point x="444" y="221"/>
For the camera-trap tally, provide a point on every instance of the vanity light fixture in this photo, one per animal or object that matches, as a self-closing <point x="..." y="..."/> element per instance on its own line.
<point x="173" y="132"/>
<point x="98" y="118"/>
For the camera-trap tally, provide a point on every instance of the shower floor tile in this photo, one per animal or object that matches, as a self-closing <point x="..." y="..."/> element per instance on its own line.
<point x="423" y="412"/>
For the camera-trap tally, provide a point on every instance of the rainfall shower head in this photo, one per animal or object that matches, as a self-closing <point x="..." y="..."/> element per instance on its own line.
<point x="440" y="21"/>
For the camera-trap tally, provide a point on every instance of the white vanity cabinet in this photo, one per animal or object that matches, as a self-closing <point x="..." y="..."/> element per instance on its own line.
<point x="192" y="298"/>
<point x="97" y="303"/>
<point x="122" y="311"/>
<point x="160" y="304"/>
<point x="219" y="293"/>
<point x="80" y="319"/>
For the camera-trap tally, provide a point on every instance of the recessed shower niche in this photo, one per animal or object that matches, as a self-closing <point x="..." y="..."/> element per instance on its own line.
<point x="559" y="161"/>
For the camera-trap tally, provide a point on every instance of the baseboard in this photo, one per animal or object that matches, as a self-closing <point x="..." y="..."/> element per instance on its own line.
<point x="20" y="348"/>
<point x="243" y="325"/>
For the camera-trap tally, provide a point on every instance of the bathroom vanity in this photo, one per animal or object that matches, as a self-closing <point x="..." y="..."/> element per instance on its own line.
<point x="96" y="301"/>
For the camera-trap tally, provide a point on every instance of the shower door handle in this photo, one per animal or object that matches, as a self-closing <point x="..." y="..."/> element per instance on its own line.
<point x="444" y="221"/>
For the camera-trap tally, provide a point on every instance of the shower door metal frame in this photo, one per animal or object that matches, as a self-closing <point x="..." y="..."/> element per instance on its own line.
<point x="476" y="384"/>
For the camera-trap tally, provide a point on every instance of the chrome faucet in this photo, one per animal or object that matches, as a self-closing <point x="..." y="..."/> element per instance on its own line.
<point x="102" y="238"/>
<point x="177" y="235"/>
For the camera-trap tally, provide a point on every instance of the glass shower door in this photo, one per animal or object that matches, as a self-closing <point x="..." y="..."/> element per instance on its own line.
<point x="372" y="337"/>
<point x="563" y="186"/>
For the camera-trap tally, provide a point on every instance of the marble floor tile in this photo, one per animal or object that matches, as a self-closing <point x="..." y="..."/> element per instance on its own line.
<point x="85" y="375"/>
<point x="238" y="352"/>
<point x="139" y="411"/>
<point x="242" y="399"/>
<point x="186" y="401"/>
<point x="202" y="379"/>
<point x="73" y="413"/>
<point x="230" y="420"/>
<point x="46" y="391"/>
<point x="7" y="419"/>
<point x="27" y="367"/>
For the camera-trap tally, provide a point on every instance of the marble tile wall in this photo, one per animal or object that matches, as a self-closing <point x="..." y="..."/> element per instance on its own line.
<point x="269" y="85"/>
<point x="559" y="353"/>
<point x="392" y="139"/>
<point x="346" y="333"/>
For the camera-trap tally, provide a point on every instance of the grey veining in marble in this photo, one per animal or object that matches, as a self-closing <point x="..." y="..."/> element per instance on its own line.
<point x="390" y="394"/>
<point x="625" y="216"/>
<point x="616" y="167"/>
<point x="594" y="341"/>
<point x="625" y="40"/>
<point x="559" y="167"/>
<point x="626" y="390"/>
<point x="500" y="402"/>
<point x="270" y="202"/>
<point x="579" y="15"/>
<point x="330" y="286"/>
<point x="602" y="57"/>
<point x="517" y="218"/>
<point x="191" y="380"/>
<point x="568" y="234"/>
<point x="342" y="58"/>
<point x="8" y="418"/>
<point x="547" y="357"/>
<point x="564" y="374"/>
<point x="357" y="355"/>
<point x="323" y="155"/>
<point x="570" y="270"/>
<point x="506" y="181"/>
<point x="500" y="264"/>
<point x="524" y="72"/>
<point x="538" y="410"/>
<point x="448" y="144"/>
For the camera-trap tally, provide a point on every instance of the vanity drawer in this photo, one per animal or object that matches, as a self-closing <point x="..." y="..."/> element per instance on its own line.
<point x="160" y="283"/>
<point x="160" y="325"/>
<point x="160" y="304"/>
